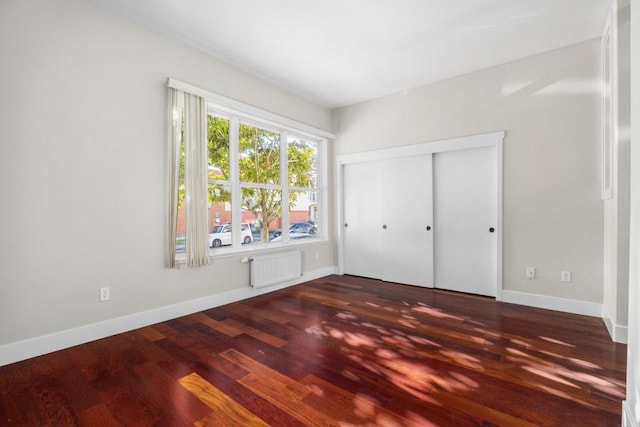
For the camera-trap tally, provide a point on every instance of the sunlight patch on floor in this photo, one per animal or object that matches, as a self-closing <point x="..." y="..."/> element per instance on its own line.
<point x="346" y="316"/>
<point x="316" y="330"/>
<point x="434" y="312"/>
<point x="577" y="362"/>
<point x="364" y="408"/>
<point x="552" y="340"/>
<point x="564" y="395"/>
<point x="419" y="420"/>
<point x="491" y="334"/>
<point x="549" y="376"/>
<point x="519" y="356"/>
<point x="423" y="341"/>
<point x="398" y="341"/>
<point x="358" y="339"/>
<point x="463" y="359"/>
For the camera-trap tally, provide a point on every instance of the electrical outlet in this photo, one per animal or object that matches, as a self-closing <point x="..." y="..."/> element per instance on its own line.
<point x="531" y="273"/>
<point x="104" y="294"/>
<point x="565" y="276"/>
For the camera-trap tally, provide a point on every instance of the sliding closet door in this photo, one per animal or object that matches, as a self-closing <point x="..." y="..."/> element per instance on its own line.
<point x="465" y="220"/>
<point x="362" y="221"/>
<point x="407" y="242"/>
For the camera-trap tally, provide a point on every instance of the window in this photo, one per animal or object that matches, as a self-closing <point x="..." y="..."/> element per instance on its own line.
<point x="262" y="177"/>
<point x="263" y="185"/>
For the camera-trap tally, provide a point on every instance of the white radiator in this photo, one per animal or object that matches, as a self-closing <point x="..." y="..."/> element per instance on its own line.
<point x="267" y="270"/>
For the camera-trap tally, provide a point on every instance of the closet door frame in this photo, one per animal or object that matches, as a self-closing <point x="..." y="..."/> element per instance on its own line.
<point x="492" y="139"/>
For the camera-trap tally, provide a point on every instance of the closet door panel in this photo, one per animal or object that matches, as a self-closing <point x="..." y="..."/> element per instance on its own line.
<point x="361" y="201"/>
<point x="406" y="243"/>
<point x="465" y="213"/>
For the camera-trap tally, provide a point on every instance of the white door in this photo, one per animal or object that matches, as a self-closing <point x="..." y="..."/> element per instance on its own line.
<point x="407" y="242"/>
<point x="361" y="201"/>
<point x="465" y="220"/>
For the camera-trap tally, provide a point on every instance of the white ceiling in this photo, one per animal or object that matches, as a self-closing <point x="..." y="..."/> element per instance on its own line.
<point x="340" y="52"/>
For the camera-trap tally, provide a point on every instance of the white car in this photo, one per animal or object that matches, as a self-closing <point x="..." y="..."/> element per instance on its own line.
<point x="292" y="236"/>
<point x="221" y="235"/>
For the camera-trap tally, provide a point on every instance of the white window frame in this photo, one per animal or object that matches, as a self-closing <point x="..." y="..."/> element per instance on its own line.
<point x="238" y="112"/>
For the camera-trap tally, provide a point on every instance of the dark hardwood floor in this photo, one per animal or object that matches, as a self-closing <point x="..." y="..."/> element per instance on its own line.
<point x="336" y="351"/>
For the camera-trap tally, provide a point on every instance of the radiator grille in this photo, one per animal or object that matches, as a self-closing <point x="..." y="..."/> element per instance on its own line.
<point x="267" y="270"/>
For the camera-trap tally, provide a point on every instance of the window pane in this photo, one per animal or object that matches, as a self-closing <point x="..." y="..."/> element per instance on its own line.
<point x="218" y="148"/>
<point x="302" y="166"/>
<point x="303" y="216"/>
<point x="262" y="207"/>
<point x="259" y="160"/>
<point x="220" y="216"/>
<point x="180" y="229"/>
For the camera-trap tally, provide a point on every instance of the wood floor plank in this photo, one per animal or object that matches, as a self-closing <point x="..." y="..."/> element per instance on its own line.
<point x="256" y="333"/>
<point x="292" y="388"/>
<point x="285" y="397"/>
<point x="151" y="333"/>
<point x="262" y="312"/>
<point x="226" y="410"/>
<point x="218" y="326"/>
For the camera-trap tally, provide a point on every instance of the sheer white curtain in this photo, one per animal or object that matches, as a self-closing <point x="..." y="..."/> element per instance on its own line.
<point x="188" y="125"/>
<point x="195" y="180"/>
<point x="176" y="112"/>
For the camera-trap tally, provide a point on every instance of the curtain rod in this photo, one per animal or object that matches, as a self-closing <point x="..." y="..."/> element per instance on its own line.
<point x="231" y="105"/>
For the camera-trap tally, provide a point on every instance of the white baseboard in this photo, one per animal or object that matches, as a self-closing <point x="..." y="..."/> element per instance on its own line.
<point x="628" y="419"/>
<point x="618" y="333"/>
<point x="553" y="303"/>
<point x="21" y="350"/>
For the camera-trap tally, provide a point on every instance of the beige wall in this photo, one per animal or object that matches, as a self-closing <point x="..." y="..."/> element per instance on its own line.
<point x="549" y="106"/>
<point x="82" y="174"/>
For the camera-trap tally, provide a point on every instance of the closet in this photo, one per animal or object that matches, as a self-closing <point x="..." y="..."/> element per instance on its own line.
<point x="425" y="215"/>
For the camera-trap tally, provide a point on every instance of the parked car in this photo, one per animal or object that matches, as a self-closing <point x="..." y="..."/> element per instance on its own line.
<point x="298" y="227"/>
<point x="221" y="235"/>
<point x="292" y="236"/>
<point x="256" y="232"/>
<point x="302" y="227"/>
<point x="180" y="245"/>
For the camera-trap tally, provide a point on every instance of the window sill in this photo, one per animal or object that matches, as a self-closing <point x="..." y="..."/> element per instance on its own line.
<point x="255" y="250"/>
<point x="263" y="249"/>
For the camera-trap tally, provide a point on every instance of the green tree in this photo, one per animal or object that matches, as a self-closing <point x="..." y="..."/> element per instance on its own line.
<point x="259" y="163"/>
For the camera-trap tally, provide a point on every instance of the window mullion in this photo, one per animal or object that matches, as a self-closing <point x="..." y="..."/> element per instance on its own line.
<point x="322" y="183"/>
<point x="260" y="185"/>
<point x="284" y="181"/>
<point x="236" y="191"/>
